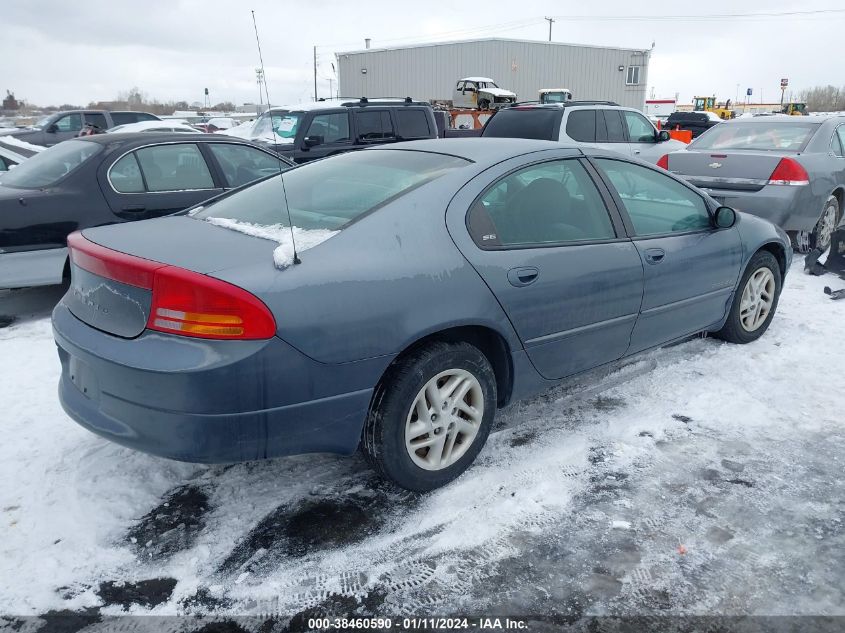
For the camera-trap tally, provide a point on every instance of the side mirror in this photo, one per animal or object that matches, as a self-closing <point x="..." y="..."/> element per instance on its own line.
<point x="663" y="135"/>
<point x="53" y="128"/>
<point x="313" y="141"/>
<point x="724" y="218"/>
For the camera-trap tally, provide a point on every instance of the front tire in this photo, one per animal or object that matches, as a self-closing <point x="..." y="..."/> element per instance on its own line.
<point x="755" y="301"/>
<point x="431" y="415"/>
<point x="483" y="104"/>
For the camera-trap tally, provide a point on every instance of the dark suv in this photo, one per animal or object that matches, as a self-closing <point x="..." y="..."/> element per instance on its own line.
<point x="61" y="126"/>
<point x="695" y="122"/>
<point x="315" y="130"/>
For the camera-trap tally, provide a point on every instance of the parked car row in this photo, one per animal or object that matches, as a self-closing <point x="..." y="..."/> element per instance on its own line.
<point x="68" y="124"/>
<point x="106" y="179"/>
<point x="394" y="298"/>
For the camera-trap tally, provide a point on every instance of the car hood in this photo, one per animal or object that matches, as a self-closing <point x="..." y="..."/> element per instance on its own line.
<point x="497" y="92"/>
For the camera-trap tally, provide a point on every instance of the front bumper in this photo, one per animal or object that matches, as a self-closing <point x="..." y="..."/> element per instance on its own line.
<point x="208" y="401"/>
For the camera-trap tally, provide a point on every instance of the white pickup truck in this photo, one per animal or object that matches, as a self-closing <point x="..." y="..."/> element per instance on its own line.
<point x="481" y="93"/>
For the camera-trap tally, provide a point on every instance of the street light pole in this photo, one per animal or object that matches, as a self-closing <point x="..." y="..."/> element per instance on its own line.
<point x="550" y="21"/>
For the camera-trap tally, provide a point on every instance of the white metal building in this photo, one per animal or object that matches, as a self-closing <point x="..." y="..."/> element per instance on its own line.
<point x="430" y="71"/>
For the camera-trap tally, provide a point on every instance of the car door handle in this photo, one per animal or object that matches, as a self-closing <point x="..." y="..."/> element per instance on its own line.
<point x="135" y="208"/>
<point x="654" y="255"/>
<point x="523" y="276"/>
<point x="636" y="151"/>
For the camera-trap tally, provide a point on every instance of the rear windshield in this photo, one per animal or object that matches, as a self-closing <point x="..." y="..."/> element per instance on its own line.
<point x="48" y="167"/>
<point x="536" y="123"/>
<point x="331" y="193"/>
<point x="760" y="136"/>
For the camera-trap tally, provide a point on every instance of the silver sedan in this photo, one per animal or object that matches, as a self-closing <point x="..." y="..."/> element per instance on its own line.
<point x="790" y="170"/>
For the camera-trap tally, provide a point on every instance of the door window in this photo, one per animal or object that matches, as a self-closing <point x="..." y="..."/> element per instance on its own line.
<point x="96" y="119"/>
<point x="656" y="203"/>
<point x="413" y="123"/>
<point x="609" y="127"/>
<point x="242" y="164"/>
<point x="334" y="128"/>
<point x="548" y="203"/>
<point x="122" y="118"/>
<point x="69" y="123"/>
<point x="374" y="125"/>
<point x="175" y="167"/>
<point x="125" y="175"/>
<point x="838" y="142"/>
<point x="581" y="126"/>
<point x="639" y="128"/>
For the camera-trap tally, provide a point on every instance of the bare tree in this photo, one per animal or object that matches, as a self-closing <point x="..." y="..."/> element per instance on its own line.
<point x="824" y="99"/>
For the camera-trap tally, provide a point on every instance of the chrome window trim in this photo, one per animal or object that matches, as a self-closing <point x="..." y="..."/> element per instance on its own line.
<point x="144" y="193"/>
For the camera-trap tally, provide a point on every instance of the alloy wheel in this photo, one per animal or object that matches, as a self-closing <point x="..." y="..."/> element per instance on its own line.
<point x="758" y="296"/>
<point x="444" y="419"/>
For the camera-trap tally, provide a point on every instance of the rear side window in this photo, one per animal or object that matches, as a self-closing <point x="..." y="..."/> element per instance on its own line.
<point x="656" y="203"/>
<point x="122" y="118"/>
<point x="175" y="167"/>
<point x="125" y="175"/>
<point x="581" y="126"/>
<point x="535" y="123"/>
<point x="413" y="123"/>
<point x="329" y="194"/>
<point x="550" y="203"/>
<point x="143" y="116"/>
<point x="837" y="144"/>
<point x="374" y="125"/>
<point x="241" y="164"/>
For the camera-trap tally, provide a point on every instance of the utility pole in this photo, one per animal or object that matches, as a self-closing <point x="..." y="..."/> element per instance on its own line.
<point x="550" y="21"/>
<point x="315" y="73"/>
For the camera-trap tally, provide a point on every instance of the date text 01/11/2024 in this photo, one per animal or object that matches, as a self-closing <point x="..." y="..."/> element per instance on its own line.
<point x="412" y="624"/>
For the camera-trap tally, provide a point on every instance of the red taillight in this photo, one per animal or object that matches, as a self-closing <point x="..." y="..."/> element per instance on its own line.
<point x="789" y="172"/>
<point x="664" y="162"/>
<point x="183" y="302"/>
<point x="127" y="269"/>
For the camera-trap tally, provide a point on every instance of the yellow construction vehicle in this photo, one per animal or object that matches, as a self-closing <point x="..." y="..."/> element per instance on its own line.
<point x="708" y="104"/>
<point x="794" y="108"/>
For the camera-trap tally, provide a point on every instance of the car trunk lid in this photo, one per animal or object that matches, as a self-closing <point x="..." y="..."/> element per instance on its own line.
<point x="112" y="267"/>
<point x="735" y="170"/>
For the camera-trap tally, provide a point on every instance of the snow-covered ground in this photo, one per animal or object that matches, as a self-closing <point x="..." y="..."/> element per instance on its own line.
<point x="701" y="479"/>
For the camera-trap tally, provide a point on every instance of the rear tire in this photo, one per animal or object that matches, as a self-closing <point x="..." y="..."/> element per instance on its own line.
<point x="755" y="302"/>
<point x="421" y="435"/>
<point x="484" y="104"/>
<point x="822" y="232"/>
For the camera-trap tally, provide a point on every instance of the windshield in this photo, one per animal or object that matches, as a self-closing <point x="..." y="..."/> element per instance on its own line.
<point x="284" y="125"/>
<point x="332" y="193"/>
<point x="48" y="167"/>
<point x="757" y="136"/>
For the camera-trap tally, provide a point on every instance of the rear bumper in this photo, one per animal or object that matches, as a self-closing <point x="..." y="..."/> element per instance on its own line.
<point x="207" y="401"/>
<point x="791" y="208"/>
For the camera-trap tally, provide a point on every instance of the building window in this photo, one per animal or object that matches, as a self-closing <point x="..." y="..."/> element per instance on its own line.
<point x="633" y="77"/>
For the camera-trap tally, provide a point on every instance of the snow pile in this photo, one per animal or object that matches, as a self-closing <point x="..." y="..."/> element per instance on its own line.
<point x="283" y="255"/>
<point x="11" y="140"/>
<point x="700" y="479"/>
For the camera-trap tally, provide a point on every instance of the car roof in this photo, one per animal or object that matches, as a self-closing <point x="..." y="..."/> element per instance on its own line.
<point x="477" y="79"/>
<point x="479" y="150"/>
<point x="780" y="118"/>
<point x="158" y="137"/>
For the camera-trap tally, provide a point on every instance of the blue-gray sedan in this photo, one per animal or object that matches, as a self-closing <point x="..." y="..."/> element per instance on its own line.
<point x="433" y="283"/>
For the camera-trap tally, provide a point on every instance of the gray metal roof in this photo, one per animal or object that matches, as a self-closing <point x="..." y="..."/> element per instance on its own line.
<point x="488" y="39"/>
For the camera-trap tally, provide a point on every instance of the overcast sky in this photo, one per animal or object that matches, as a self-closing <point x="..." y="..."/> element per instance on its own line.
<point x="57" y="51"/>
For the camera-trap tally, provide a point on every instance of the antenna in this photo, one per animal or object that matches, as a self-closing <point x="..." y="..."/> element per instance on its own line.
<point x="296" y="259"/>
